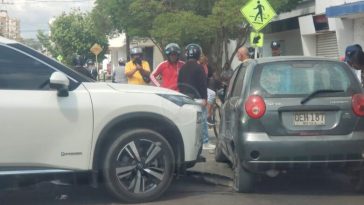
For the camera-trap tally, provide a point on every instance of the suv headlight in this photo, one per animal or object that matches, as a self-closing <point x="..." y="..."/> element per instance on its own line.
<point x="179" y="100"/>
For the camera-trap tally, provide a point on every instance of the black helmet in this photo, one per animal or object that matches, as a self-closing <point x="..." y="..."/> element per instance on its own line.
<point x="90" y="62"/>
<point x="172" y="48"/>
<point x="78" y="61"/>
<point x="193" y="51"/>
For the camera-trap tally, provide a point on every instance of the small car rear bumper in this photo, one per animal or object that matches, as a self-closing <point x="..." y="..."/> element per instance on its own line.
<point x="260" y="152"/>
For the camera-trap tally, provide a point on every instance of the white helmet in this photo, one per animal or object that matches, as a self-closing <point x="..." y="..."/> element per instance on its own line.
<point x="121" y="60"/>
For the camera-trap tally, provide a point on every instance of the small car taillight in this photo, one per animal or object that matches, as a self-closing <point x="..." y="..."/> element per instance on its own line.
<point x="255" y="106"/>
<point x="357" y="102"/>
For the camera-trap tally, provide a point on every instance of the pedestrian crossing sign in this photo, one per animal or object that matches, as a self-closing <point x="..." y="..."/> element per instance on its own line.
<point x="258" y="13"/>
<point x="256" y="39"/>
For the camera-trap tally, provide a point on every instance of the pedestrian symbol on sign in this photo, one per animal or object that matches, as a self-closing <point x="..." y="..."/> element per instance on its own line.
<point x="260" y="11"/>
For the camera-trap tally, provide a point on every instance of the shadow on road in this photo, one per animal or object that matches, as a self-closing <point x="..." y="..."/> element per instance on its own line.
<point x="323" y="184"/>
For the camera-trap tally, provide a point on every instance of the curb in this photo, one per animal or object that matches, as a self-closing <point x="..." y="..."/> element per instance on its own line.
<point x="212" y="178"/>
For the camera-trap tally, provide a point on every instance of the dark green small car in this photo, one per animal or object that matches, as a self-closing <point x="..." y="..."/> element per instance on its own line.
<point x="292" y="113"/>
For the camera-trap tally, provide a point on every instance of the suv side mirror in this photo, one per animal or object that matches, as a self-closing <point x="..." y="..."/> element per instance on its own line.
<point x="221" y="95"/>
<point x="60" y="82"/>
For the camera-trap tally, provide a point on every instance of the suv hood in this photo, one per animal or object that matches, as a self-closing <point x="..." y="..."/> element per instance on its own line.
<point x="131" y="88"/>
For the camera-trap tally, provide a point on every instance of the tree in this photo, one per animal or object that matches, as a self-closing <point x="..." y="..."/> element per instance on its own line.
<point x="212" y="23"/>
<point x="177" y="27"/>
<point x="114" y="16"/>
<point x="46" y="43"/>
<point x="33" y="43"/>
<point x="230" y="25"/>
<point x="72" y="34"/>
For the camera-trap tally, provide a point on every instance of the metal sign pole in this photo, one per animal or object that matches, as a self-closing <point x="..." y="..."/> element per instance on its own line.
<point x="97" y="68"/>
<point x="256" y="53"/>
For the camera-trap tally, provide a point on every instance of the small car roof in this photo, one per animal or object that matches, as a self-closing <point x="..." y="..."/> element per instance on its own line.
<point x="292" y="58"/>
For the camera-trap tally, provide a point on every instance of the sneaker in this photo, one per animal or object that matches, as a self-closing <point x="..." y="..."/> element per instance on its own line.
<point x="208" y="146"/>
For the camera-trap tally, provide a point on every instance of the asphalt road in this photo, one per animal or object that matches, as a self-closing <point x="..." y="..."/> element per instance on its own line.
<point x="324" y="188"/>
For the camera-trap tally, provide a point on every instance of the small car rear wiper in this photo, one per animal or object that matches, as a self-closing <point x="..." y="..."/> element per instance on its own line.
<point x="313" y="94"/>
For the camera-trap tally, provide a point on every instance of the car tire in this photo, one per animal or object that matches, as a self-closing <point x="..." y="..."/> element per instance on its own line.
<point x="243" y="180"/>
<point x="138" y="166"/>
<point x="359" y="184"/>
<point x="219" y="155"/>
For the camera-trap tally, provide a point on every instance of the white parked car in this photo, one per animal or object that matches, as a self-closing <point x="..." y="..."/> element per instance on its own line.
<point x="54" y="120"/>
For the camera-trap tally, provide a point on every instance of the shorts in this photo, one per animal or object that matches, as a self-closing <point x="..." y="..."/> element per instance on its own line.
<point x="211" y="96"/>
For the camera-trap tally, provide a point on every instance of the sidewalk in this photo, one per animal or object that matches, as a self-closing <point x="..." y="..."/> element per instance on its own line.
<point x="212" y="171"/>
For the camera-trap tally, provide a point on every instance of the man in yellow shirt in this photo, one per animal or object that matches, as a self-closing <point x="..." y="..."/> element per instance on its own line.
<point x="137" y="70"/>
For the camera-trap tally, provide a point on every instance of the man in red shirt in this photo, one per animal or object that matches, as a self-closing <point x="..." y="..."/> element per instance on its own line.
<point x="169" y="69"/>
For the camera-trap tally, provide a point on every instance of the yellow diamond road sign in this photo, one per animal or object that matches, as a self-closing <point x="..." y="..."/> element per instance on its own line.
<point x="96" y="49"/>
<point x="258" y="13"/>
<point x="256" y="39"/>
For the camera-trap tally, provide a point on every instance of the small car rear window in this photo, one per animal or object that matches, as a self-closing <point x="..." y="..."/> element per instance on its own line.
<point x="304" y="77"/>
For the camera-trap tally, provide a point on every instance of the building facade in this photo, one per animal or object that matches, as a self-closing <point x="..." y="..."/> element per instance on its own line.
<point x="9" y="27"/>
<point x="334" y="25"/>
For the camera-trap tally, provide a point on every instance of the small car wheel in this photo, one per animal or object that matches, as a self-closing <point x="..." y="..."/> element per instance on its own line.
<point x="138" y="166"/>
<point x="243" y="180"/>
<point x="359" y="184"/>
<point x="219" y="155"/>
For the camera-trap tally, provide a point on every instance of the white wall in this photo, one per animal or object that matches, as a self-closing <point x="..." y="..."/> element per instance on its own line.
<point x="344" y="34"/>
<point x="116" y="54"/>
<point x="308" y="37"/>
<point x="157" y="57"/>
<point x="359" y="31"/>
<point x="290" y="43"/>
<point x="231" y="48"/>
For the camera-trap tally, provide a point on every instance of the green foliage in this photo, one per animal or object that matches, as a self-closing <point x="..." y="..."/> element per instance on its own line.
<point x="71" y="34"/>
<point x="181" y="27"/>
<point x="284" y="5"/>
<point x="33" y="43"/>
<point x="211" y="23"/>
<point x="46" y="43"/>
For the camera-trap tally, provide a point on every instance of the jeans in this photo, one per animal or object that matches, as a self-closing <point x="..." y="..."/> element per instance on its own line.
<point x="205" y="129"/>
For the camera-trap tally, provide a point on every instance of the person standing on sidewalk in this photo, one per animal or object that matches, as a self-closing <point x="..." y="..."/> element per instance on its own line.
<point x="211" y="94"/>
<point x="118" y="75"/>
<point x="243" y="54"/>
<point x="168" y="69"/>
<point x="137" y="70"/>
<point x="192" y="81"/>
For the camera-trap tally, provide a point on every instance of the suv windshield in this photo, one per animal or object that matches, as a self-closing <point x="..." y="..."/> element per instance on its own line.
<point x="303" y="78"/>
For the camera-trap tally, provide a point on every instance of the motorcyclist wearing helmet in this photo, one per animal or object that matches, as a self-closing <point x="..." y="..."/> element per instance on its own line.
<point x="92" y="68"/>
<point x="192" y="81"/>
<point x="168" y="70"/>
<point x="137" y="70"/>
<point x="118" y="74"/>
<point x="78" y="62"/>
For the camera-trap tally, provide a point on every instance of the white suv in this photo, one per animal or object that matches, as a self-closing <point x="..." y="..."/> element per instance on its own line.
<point x="54" y="120"/>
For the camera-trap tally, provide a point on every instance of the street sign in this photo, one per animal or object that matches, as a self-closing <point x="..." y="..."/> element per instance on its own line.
<point x="96" y="49"/>
<point x="256" y="39"/>
<point x="60" y="58"/>
<point x="258" y="13"/>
